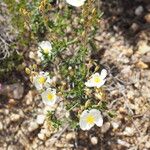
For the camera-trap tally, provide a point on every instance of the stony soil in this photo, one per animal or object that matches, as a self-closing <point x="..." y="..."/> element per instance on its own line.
<point x="123" y="43"/>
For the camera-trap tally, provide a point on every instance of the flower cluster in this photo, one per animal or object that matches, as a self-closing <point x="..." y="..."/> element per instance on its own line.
<point x="42" y="83"/>
<point x="90" y="116"/>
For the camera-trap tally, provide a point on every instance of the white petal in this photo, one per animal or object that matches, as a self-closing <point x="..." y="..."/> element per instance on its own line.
<point x="83" y="124"/>
<point x="76" y="3"/>
<point x="36" y="83"/>
<point x="98" y="117"/>
<point x="38" y="86"/>
<point x="84" y="114"/>
<point x="103" y="73"/>
<point x="89" y="83"/>
<point x="95" y="74"/>
<point x="98" y="85"/>
<point x="39" y="53"/>
<point x="41" y="73"/>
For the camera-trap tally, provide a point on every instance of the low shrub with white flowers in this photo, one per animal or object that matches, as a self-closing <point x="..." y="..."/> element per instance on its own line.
<point x="71" y="84"/>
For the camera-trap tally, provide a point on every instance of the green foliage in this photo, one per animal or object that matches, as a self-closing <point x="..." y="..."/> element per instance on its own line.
<point x="66" y="28"/>
<point x="53" y="120"/>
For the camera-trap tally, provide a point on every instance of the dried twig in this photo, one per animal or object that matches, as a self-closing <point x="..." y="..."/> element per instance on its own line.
<point x="58" y="135"/>
<point x="4" y="51"/>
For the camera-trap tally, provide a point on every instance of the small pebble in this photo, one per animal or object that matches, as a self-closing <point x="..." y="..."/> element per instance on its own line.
<point x="123" y="143"/>
<point x="147" y="144"/>
<point x="33" y="126"/>
<point x="70" y="136"/>
<point x="115" y="125"/>
<point x="134" y="27"/>
<point x="128" y="131"/>
<point x="42" y="136"/>
<point x="1" y="126"/>
<point x="15" y="117"/>
<point x="147" y="18"/>
<point x="94" y="140"/>
<point x="105" y="127"/>
<point x="40" y="119"/>
<point x="139" y="10"/>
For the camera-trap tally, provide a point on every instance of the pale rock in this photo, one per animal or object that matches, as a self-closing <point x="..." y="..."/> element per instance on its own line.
<point x="147" y="18"/>
<point x="15" y="117"/>
<point x="143" y="47"/>
<point x="130" y="94"/>
<point x="34" y="145"/>
<point x="115" y="125"/>
<point x="94" y="140"/>
<point x="48" y="133"/>
<point x="139" y="10"/>
<point x="32" y="55"/>
<point x="7" y="121"/>
<point x="114" y="92"/>
<point x="50" y="142"/>
<point x="128" y="131"/>
<point x="59" y="145"/>
<point x="147" y="144"/>
<point x="42" y="136"/>
<point x="128" y="52"/>
<point x="29" y="98"/>
<point x="142" y="65"/>
<point x="6" y="111"/>
<point x="123" y="143"/>
<point x="12" y="147"/>
<point x="134" y="27"/>
<point x="33" y="126"/>
<point x="112" y="39"/>
<point x="126" y="71"/>
<point x="40" y="119"/>
<point x="70" y="136"/>
<point x="1" y="126"/>
<point x="105" y="127"/>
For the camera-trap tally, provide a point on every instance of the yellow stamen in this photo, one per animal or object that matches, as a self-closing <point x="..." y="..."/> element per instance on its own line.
<point x="50" y="96"/>
<point x="46" y="50"/>
<point x="90" y="119"/>
<point x="97" y="79"/>
<point x="42" y="80"/>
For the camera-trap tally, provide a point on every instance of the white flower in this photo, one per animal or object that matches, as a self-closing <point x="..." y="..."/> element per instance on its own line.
<point x="44" y="47"/>
<point x="49" y="97"/>
<point x="41" y="80"/>
<point x="76" y="3"/>
<point x="40" y="119"/>
<point x="89" y="118"/>
<point x="97" y="80"/>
